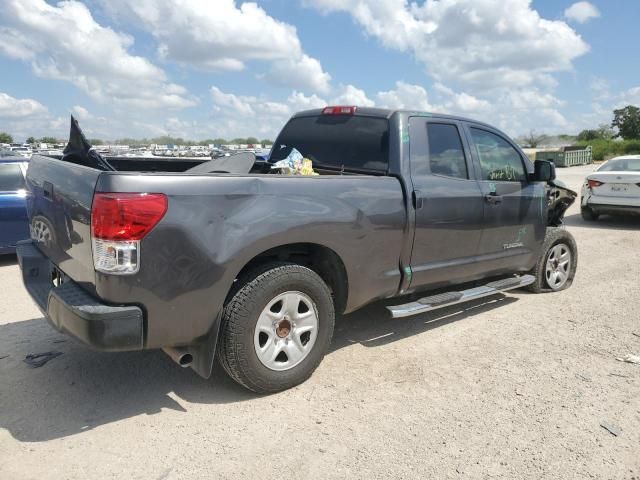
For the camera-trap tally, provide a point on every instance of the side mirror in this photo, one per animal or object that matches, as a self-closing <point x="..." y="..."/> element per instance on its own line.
<point x="544" y="171"/>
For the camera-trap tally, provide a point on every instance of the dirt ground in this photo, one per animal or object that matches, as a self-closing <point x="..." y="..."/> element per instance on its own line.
<point x="517" y="386"/>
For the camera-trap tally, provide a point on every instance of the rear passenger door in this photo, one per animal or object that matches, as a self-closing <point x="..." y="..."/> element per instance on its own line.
<point x="514" y="208"/>
<point x="447" y="201"/>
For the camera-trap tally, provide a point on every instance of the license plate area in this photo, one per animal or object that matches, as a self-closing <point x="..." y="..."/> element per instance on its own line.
<point x="619" y="187"/>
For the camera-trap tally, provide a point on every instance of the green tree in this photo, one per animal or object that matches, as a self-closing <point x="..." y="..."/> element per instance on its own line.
<point x="31" y="140"/>
<point x="627" y="121"/>
<point x="588" y="135"/>
<point x="219" y="141"/>
<point x="95" y="141"/>
<point x="5" y="138"/>
<point x="606" y="132"/>
<point x="266" y="142"/>
<point x="252" y="140"/>
<point x="49" y="140"/>
<point x="533" y="139"/>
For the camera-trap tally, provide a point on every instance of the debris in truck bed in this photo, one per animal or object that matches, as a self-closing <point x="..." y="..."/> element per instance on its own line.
<point x="240" y="163"/>
<point x="80" y="151"/>
<point x="294" y="164"/>
<point x="36" y="360"/>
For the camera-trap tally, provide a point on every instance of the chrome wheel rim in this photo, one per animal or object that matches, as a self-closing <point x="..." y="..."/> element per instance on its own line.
<point x="558" y="266"/>
<point x="40" y="232"/>
<point x="286" y="331"/>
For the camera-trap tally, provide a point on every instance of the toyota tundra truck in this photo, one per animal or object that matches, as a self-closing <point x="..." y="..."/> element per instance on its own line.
<point x="252" y="267"/>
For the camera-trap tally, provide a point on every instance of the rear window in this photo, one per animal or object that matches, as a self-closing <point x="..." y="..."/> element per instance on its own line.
<point x="337" y="141"/>
<point x="11" y="178"/>
<point x="621" y="165"/>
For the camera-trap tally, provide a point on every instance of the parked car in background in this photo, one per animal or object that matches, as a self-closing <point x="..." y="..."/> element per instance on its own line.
<point x="14" y="225"/>
<point x="22" y="151"/>
<point x="614" y="188"/>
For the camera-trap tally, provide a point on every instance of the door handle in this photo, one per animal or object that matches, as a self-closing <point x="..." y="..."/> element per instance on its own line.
<point x="47" y="190"/>
<point x="493" y="199"/>
<point x="417" y="200"/>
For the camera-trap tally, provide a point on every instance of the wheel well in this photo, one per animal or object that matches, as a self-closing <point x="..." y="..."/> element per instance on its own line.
<point x="322" y="260"/>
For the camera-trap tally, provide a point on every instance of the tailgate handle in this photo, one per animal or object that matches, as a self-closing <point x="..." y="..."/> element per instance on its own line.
<point x="47" y="189"/>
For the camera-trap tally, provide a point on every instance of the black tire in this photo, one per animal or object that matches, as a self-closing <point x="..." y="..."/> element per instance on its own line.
<point x="588" y="215"/>
<point x="555" y="236"/>
<point x="236" y="352"/>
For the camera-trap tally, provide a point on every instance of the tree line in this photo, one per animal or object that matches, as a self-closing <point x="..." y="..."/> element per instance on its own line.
<point x="163" y="140"/>
<point x="625" y="125"/>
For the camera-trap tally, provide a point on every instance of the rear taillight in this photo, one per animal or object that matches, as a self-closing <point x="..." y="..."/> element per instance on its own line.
<point x="118" y="222"/>
<point x="594" y="183"/>
<point x="339" y="110"/>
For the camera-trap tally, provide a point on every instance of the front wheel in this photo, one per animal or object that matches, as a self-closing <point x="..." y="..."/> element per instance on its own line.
<point x="276" y="328"/>
<point x="557" y="265"/>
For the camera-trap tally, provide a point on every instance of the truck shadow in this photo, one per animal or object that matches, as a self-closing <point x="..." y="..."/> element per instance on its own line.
<point x="606" y="222"/>
<point x="7" y="260"/>
<point x="83" y="389"/>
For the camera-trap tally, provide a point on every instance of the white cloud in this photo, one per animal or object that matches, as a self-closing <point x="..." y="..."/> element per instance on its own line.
<point x="479" y="44"/>
<point x="220" y="36"/>
<point x="64" y="42"/>
<point x="303" y="72"/>
<point x="405" y="96"/>
<point x="581" y="12"/>
<point x="14" y="108"/>
<point x="80" y="113"/>
<point x="350" y="95"/>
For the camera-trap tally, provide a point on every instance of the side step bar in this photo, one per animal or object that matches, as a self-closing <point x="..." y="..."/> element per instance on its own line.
<point x="446" y="299"/>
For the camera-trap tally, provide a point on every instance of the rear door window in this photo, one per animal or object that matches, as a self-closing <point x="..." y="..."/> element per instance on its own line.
<point x="499" y="161"/>
<point x="348" y="142"/>
<point x="446" y="154"/>
<point x="11" y="178"/>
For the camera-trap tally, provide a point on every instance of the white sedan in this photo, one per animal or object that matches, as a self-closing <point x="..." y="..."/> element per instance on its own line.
<point x="614" y="188"/>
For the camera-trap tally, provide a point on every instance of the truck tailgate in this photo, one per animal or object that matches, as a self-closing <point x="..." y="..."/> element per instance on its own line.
<point x="59" y="210"/>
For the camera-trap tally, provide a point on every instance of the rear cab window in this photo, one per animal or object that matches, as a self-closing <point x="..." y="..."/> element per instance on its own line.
<point x="11" y="178"/>
<point x="353" y="143"/>
<point x="499" y="160"/>
<point x="446" y="153"/>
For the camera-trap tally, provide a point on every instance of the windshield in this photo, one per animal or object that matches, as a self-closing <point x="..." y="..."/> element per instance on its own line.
<point x="337" y="141"/>
<point x="621" y="165"/>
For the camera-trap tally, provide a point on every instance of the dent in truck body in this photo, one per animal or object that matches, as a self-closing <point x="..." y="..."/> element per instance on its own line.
<point x="192" y="269"/>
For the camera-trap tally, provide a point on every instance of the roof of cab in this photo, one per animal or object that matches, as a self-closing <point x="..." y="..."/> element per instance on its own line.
<point x="387" y="113"/>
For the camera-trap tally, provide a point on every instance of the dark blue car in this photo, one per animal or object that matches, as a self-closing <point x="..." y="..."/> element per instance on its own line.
<point x="14" y="225"/>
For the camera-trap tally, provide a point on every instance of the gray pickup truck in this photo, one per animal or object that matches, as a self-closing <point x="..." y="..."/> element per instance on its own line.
<point x="253" y="267"/>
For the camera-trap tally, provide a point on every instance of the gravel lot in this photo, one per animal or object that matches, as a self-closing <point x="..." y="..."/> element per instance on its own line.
<point x="516" y="386"/>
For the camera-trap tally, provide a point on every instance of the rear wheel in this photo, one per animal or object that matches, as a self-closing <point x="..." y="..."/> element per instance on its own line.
<point x="557" y="265"/>
<point x="276" y="328"/>
<point x="588" y="214"/>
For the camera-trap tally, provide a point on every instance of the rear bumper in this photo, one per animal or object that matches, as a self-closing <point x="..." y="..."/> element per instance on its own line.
<point x="614" y="209"/>
<point x="70" y="309"/>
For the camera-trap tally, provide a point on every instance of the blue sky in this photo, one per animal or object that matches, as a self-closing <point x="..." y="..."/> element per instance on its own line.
<point x="209" y="68"/>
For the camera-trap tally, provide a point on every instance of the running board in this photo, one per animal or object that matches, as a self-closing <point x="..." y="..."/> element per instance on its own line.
<point x="446" y="299"/>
